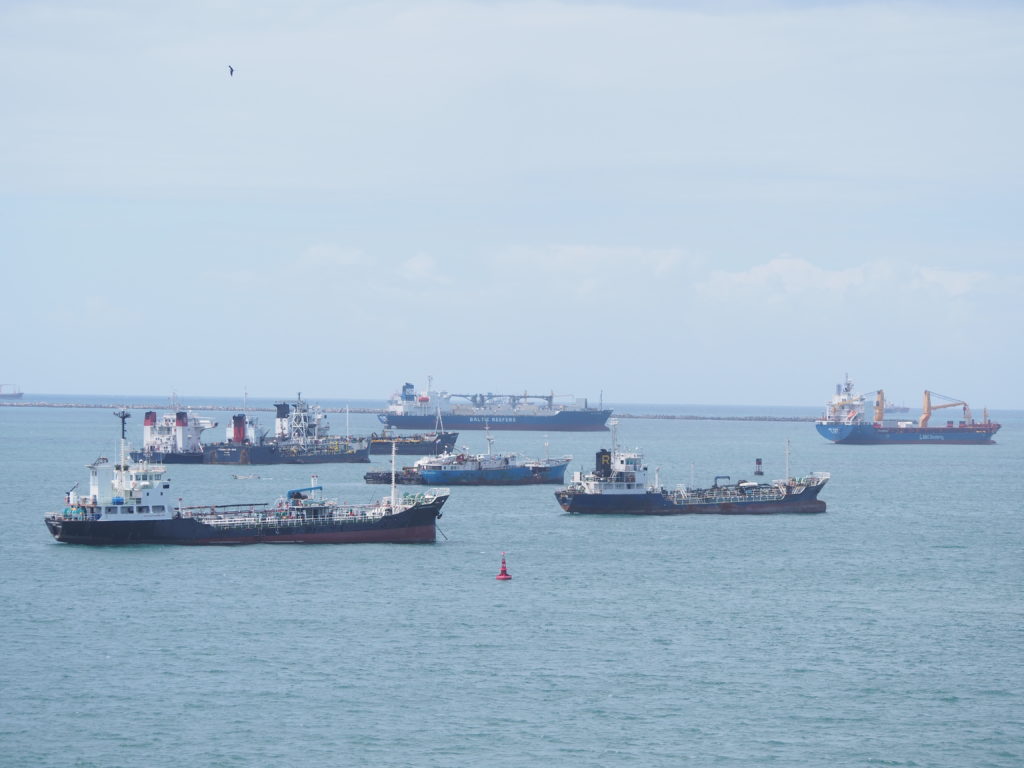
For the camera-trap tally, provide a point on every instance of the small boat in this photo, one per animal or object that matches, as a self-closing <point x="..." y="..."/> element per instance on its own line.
<point x="131" y="502"/>
<point x="618" y="485"/>
<point x="246" y="477"/>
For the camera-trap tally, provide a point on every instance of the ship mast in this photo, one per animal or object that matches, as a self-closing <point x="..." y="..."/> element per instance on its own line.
<point x="122" y="466"/>
<point x="394" y="486"/>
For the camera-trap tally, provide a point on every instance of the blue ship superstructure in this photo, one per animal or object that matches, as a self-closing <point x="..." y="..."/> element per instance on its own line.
<point x="845" y="421"/>
<point x="423" y="410"/>
<point x="618" y="485"/>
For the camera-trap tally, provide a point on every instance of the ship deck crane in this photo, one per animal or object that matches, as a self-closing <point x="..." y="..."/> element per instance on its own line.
<point x="928" y="407"/>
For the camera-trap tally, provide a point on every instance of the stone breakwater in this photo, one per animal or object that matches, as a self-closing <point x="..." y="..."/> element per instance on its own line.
<point x="239" y="408"/>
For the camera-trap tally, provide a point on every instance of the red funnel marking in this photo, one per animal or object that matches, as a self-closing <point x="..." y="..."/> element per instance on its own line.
<point x="504" y="574"/>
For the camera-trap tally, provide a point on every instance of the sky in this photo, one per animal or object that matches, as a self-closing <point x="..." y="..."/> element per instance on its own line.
<point x="650" y="202"/>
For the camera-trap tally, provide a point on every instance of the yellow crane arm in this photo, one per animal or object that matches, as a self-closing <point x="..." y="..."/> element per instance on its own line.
<point x="927" y="407"/>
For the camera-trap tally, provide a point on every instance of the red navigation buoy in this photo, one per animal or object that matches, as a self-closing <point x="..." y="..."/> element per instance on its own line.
<point x="504" y="575"/>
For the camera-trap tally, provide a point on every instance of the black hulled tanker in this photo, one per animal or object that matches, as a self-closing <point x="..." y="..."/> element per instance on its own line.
<point x="131" y="503"/>
<point x="618" y="485"/>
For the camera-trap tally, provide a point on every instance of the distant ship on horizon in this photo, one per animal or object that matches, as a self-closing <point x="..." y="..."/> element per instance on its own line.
<point x="14" y="393"/>
<point x="411" y="410"/>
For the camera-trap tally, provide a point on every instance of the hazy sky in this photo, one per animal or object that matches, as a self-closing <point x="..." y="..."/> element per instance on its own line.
<point x="703" y="202"/>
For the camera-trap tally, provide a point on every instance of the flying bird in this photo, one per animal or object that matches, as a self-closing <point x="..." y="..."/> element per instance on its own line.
<point x="231" y="70"/>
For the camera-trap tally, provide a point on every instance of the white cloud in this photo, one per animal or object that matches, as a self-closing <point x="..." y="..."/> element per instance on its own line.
<point x="588" y="270"/>
<point x="781" y="279"/>
<point x="788" y="279"/>
<point x="949" y="282"/>
<point x="420" y="268"/>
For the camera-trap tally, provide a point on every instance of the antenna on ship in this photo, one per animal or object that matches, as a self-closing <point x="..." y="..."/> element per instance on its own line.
<point x="394" y="487"/>
<point x="123" y="415"/>
<point x="615" y="435"/>
<point x="787" y="461"/>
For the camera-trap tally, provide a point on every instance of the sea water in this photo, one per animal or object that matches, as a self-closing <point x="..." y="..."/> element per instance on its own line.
<point x="887" y="631"/>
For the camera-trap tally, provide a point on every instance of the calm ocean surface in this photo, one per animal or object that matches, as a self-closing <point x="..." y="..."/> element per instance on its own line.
<point x="887" y="631"/>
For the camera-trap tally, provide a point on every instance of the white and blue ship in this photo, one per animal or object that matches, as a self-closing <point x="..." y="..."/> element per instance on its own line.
<point x="411" y="410"/>
<point x="846" y="421"/>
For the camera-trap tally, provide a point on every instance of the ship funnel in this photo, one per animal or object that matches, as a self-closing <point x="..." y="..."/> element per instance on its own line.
<point x="181" y="419"/>
<point x="238" y="428"/>
<point x="150" y="419"/>
<point x="603" y="466"/>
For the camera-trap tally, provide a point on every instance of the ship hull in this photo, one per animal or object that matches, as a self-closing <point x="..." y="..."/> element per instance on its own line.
<point x="415" y="525"/>
<point x="505" y="476"/>
<point x="381" y="446"/>
<point x="656" y="503"/>
<point x="273" y="454"/>
<point x="869" y="434"/>
<point x="560" y="421"/>
<point x="401" y="478"/>
<point x="167" y="458"/>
